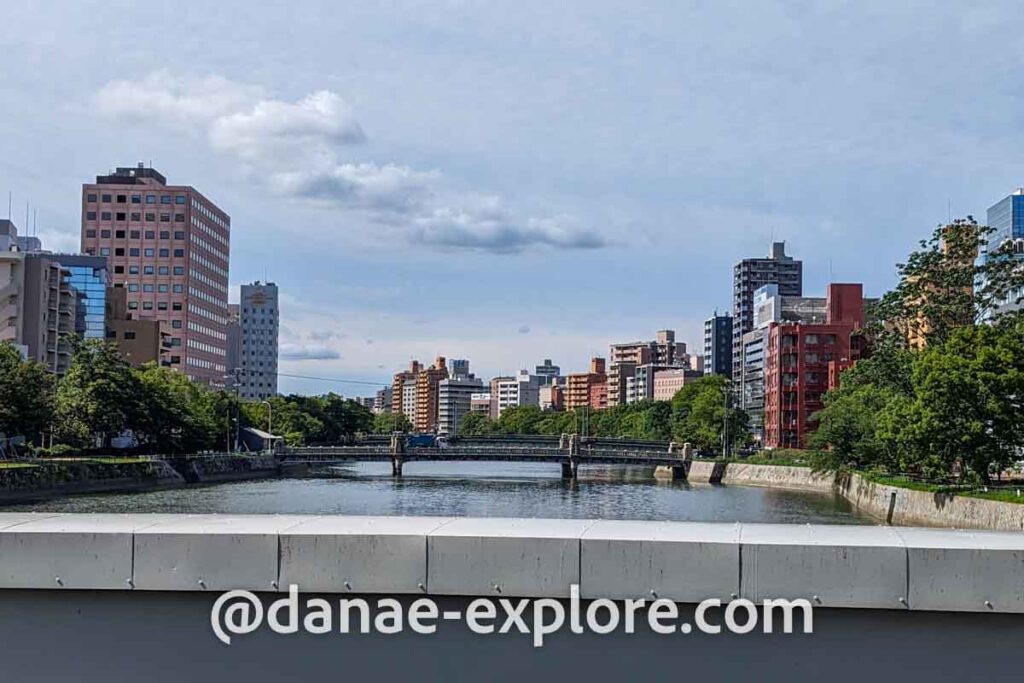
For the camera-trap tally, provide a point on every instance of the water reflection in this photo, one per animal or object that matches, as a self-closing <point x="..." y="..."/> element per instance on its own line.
<point x="480" y="490"/>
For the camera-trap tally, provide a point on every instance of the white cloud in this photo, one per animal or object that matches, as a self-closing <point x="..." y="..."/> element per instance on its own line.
<point x="293" y="351"/>
<point x="272" y="127"/>
<point x="295" y="147"/>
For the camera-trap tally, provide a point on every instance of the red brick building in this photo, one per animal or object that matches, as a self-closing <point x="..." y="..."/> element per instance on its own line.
<point x="803" y="361"/>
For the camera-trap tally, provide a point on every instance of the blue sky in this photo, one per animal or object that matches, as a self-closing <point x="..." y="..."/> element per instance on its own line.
<point x="509" y="181"/>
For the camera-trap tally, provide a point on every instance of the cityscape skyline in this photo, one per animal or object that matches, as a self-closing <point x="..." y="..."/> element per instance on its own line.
<point x="505" y="181"/>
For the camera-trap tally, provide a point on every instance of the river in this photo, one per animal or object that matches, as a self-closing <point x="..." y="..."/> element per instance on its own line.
<point x="477" y="490"/>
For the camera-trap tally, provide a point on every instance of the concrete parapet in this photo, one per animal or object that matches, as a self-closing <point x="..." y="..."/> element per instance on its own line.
<point x="832" y="566"/>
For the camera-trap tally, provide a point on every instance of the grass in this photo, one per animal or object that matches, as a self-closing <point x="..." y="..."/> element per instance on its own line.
<point x="1005" y="494"/>
<point x="14" y="465"/>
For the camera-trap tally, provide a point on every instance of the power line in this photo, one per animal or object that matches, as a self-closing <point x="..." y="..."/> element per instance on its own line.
<point x="338" y="380"/>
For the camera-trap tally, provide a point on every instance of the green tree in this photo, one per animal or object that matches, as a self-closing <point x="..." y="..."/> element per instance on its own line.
<point x="848" y="428"/>
<point x="99" y="397"/>
<point x="179" y="414"/>
<point x="388" y="423"/>
<point x="476" y="424"/>
<point x="26" y="395"/>
<point x="702" y="409"/>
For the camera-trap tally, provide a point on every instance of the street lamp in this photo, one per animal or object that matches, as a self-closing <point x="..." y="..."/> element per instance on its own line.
<point x="270" y="413"/>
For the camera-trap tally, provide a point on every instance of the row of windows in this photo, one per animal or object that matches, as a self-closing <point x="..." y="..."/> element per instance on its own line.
<point x="162" y="288"/>
<point x="207" y="280"/>
<point x="136" y="199"/>
<point x="196" y="223"/>
<point x="203" y="210"/>
<point x="135" y="217"/>
<point x="137" y="234"/>
<point x="202" y="312"/>
<point x="148" y="252"/>
<point x="196" y="239"/>
<point x="209" y="332"/>
<point x="208" y="298"/>
<point x="148" y="270"/>
<point x="205" y="348"/>
<point x="209" y="265"/>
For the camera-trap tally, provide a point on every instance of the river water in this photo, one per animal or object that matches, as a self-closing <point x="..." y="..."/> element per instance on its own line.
<point x="478" y="490"/>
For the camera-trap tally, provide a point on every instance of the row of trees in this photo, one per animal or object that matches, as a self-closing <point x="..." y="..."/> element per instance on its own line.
<point x="943" y="390"/>
<point x="102" y="397"/>
<point x="698" y="413"/>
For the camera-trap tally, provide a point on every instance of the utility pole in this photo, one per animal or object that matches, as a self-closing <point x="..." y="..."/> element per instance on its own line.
<point x="725" y="419"/>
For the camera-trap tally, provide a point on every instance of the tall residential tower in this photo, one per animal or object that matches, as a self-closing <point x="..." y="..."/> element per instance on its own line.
<point x="748" y="276"/>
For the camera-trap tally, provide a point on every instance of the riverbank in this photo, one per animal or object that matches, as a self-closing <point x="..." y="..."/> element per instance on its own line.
<point x="44" y="479"/>
<point x="884" y="502"/>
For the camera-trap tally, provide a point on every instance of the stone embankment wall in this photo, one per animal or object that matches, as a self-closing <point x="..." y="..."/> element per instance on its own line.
<point x="49" y="479"/>
<point x="892" y="504"/>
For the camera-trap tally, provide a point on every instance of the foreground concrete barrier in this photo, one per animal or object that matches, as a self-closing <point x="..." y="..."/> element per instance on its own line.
<point x="834" y="566"/>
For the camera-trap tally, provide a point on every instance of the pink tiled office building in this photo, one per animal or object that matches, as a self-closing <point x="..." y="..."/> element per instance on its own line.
<point x="168" y="245"/>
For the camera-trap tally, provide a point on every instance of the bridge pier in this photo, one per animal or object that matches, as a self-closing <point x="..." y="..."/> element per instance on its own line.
<point x="674" y="472"/>
<point x="396" y="467"/>
<point x="570" y="469"/>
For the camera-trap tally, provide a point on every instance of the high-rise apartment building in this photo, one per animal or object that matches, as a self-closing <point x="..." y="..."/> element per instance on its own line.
<point x="382" y="401"/>
<point x="804" y="360"/>
<point x="669" y="381"/>
<point x="169" y="246"/>
<point x="403" y="391"/>
<point x="427" y="394"/>
<point x="588" y="389"/>
<point x="624" y="359"/>
<point x="522" y="389"/>
<point x="548" y="372"/>
<point x="751" y="274"/>
<point x="718" y="345"/>
<point x="258" y="325"/>
<point x="455" y="396"/>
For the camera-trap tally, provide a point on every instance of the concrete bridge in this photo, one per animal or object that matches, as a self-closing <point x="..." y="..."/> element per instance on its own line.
<point x="128" y="597"/>
<point x="570" y="451"/>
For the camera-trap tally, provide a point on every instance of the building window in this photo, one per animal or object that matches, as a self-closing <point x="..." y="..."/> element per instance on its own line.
<point x="162" y="270"/>
<point x="104" y="233"/>
<point x="133" y="251"/>
<point x="136" y="199"/>
<point x="179" y="218"/>
<point x="118" y="251"/>
<point x="91" y="216"/>
<point x="179" y="234"/>
<point x="165" y="253"/>
<point x="106" y="197"/>
<point x="179" y="199"/>
<point x="150" y="217"/>
<point x="136" y="216"/>
<point x="150" y="234"/>
<point x="165" y="234"/>
<point x="151" y="199"/>
<point x="149" y="252"/>
<point x="176" y="306"/>
<point x="119" y="234"/>
<point x="133" y="287"/>
<point x="90" y="197"/>
<point x="179" y="253"/>
<point x="179" y="270"/>
<point x="148" y="270"/>
<point x="129" y="334"/>
<point x="134" y="234"/>
<point x="133" y="270"/>
<point x="178" y="289"/>
<point x="121" y="216"/>
<point x="133" y="305"/>
<point x="90" y="233"/>
<point x="105" y="215"/>
<point x="104" y="251"/>
<point x="165" y="218"/>
<point x="161" y="305"/>
<point x="162" y="289"/>
<point x="147" y="288"/>
<point x="147" y="305"/>
<point x="122" y="199"/>
<point x="118" y="270"/>
<point x="176" y="324"/>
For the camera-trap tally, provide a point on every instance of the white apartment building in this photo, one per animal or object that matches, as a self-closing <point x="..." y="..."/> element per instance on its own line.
<point x="259" y="325"/>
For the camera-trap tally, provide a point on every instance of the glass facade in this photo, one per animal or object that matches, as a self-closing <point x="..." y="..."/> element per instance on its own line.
<point x="88" y="277"/>
<point x="1007" y="218"/>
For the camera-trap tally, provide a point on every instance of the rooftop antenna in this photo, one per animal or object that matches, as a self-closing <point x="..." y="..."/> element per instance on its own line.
<point x="35" y="218"/>
<point x="10" y="198"/>
<point x="831" y="276"/>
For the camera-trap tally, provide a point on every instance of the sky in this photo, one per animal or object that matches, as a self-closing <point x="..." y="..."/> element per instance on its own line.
<point x="513" y="181"/>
